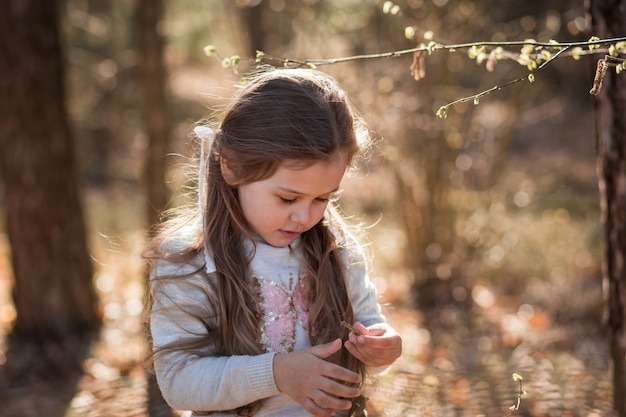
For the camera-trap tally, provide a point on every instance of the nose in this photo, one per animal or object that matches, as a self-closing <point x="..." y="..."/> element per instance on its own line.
<point x="301" y="215"/>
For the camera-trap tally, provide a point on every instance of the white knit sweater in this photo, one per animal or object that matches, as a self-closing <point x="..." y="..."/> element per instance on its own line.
<point x="209" y="383"/>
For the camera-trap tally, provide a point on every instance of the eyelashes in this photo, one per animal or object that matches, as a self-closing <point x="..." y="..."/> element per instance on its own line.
<point x="287" y="200"/>
<point x="293" y="200"/>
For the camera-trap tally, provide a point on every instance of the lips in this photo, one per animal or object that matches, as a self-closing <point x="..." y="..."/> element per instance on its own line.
<point x="290" y="233"/>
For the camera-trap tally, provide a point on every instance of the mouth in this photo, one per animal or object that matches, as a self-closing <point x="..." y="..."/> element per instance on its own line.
<point x="291" y="234"/>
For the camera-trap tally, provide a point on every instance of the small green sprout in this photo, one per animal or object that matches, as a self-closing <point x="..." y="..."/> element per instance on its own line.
<point x="518" y="378"/>
<point x="209" y="50"/>
<point x="577" y="52"/>
<point x="593" y="39"/>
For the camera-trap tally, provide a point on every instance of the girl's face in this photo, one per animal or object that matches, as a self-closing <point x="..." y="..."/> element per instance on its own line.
<point x="291" y="201"/>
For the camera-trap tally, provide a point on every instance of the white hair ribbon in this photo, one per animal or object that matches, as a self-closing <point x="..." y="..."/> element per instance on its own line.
<point x="206" y="136"/>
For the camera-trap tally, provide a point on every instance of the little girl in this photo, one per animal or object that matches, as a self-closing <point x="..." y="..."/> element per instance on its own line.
<point x="252" y="295"/>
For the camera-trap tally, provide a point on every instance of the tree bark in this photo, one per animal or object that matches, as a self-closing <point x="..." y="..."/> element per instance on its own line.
<point x="155" y="116"/>
<point x="609" y="20"/>
<point x="53" y="293"/>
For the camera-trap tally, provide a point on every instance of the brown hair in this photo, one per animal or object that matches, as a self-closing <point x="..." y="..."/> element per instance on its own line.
<point x="300" y="116"/>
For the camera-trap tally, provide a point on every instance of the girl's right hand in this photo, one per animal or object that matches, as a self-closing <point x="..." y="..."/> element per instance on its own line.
<point x="306" y="377"/>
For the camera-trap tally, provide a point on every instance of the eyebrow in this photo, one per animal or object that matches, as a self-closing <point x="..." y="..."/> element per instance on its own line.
<point x="290" y="191"/>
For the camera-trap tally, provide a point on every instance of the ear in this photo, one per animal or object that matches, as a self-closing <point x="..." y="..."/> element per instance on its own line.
<point x="227" y="172"/>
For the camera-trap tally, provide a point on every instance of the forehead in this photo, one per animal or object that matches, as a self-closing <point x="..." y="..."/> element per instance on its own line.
<point x="313" y="178"/>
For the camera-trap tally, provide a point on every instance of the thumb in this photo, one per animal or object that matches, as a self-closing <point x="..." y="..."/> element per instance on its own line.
<point x="325" y="350"/>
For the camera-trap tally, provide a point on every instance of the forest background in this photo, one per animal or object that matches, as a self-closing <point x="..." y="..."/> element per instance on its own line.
<point x="484" y="226"/>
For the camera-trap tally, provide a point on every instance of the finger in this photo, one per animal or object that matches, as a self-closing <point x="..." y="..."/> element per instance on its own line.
<point x="370" y="356"/>
<point x="341" y="374"/>
<point x="327" y="401"/>
<point x="337" y="389"/>
<point x="325" y="350"/>
<point x="381" y="347"/>
<point x="317" y="410"/>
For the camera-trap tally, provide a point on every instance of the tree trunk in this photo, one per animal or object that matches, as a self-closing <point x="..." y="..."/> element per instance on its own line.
<point x="609" y="20"/>
<point x="53" y="293"/>
<point x="155" y="117"/>
<point x="154" y="110"/>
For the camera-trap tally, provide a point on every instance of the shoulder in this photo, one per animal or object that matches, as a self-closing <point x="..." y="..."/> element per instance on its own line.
<point x="181" y="238"/>
<point x="353" y="249"/>
<point x="182" y="252"/>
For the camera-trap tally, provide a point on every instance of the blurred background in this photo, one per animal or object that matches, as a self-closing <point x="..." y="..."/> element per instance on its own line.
<point x="484" y="226"/>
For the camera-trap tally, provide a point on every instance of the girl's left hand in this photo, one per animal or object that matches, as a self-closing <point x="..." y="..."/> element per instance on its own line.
<point x="379" y="345"/>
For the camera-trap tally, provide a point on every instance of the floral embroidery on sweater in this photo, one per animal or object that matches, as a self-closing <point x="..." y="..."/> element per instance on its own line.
<point x="282" y="309"/>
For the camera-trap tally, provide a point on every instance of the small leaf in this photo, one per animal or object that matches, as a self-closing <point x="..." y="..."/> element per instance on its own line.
<point x="476" y="101"/>
<point x="531" y="78"/>
<point x="523" y="59"/>
<point x="260" y="55"/>
<point x="528" y="49"/>
<point x="516" y="376"/>
<point x="593" y="39"/>
<point x="310" y="65"/>
<point x="442" y="112"/>
<point x="475" y="51"/>
<point x="577" y="52"/>
<point x="209" y="50"/>
<point x="613" y="51"/>
<point x="235" y="59"/>
<point x="431" y="47"/>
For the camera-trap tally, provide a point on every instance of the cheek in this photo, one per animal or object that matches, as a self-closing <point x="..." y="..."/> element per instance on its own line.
<point x="318" y="213"/>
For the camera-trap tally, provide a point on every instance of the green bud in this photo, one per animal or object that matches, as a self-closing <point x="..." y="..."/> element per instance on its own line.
<point x="593" y="39"/>
<point x="209" y="50"/>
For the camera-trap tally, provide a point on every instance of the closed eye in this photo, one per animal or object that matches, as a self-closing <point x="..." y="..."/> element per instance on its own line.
<point x="287" y="200"/>
<point x="330" y="199"/>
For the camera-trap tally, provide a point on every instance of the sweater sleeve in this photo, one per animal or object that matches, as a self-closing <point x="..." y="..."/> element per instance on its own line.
<point x="198" y="379"/>
<point x="362" y="291"/>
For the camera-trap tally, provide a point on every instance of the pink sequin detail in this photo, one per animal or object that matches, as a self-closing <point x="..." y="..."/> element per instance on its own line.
<point x="282" y="310"/>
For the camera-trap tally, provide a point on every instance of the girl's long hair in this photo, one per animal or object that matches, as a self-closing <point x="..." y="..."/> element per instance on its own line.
<point x="278" y="116"/>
